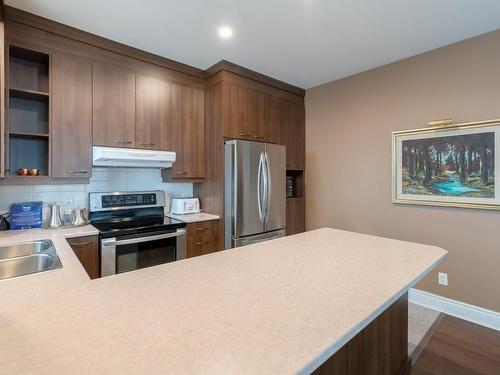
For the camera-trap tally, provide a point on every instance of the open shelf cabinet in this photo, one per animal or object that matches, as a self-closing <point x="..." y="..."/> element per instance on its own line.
<point x="27" y="135"/>
<point x="295" y="184"/>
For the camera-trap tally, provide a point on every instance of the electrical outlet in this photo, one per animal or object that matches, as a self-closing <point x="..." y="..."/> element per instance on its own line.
<point x="443" y="278"/>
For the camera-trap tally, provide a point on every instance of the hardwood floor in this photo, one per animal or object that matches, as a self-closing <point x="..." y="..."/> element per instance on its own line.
<point x="458" y="347"/>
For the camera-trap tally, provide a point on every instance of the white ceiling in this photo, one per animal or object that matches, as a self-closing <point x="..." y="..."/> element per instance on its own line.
<point x="302" y="42"/>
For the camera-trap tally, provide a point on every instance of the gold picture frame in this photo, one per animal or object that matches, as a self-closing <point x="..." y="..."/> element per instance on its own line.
<point x="454" y="182"/>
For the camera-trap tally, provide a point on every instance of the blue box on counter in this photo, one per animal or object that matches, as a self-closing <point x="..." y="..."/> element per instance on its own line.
<point x="26" y="215"/>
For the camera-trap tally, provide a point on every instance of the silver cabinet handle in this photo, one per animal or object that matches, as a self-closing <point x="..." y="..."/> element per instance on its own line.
<point x="181" y="173"/>
<point x="113" y="242"/>
<point x="244" y="135"/>
<point x="77" y="171"/>
<point x="258" y="136"/>
<point x="124" y="142"/>
<point x="202" y="243"/>
<point x="146" y="144"/>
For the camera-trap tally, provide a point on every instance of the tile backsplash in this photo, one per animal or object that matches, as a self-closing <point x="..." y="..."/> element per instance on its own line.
<point x="103" y="179"/>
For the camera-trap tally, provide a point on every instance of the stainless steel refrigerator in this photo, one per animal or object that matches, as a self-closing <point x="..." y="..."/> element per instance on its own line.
<point x="255" y="192"/>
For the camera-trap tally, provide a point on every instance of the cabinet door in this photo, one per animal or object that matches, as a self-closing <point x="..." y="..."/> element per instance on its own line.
<point x="295" y="215"/>
<point x="153" y="101"/>
<point x="261" y="117"/>
<point x="237" y="123"/>
<point x="186" y="132"/>
<point x="273" y="128"/>
<point x="2" y="100"/>
<point x="292" y="117"/>
<point x="253" y="115"/>
<point x="113" y="110"/>
<point x="86" y="250"/>
<point x="71" y="132"/>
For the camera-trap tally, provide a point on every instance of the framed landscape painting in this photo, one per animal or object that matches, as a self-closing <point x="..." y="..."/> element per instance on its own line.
<point x="448" y="166"/>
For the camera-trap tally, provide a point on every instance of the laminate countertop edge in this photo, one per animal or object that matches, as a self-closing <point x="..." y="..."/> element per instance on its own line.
<point x="316" y="363"/>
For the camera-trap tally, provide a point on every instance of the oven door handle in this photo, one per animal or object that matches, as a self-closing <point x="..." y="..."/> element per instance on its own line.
<point x="114" y="242"/>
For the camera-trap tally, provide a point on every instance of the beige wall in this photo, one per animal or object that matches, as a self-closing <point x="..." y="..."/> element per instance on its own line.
<point x="348" y="156"/>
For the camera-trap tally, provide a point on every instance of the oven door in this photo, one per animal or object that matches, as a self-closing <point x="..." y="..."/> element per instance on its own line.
<point x="128" y="253"/>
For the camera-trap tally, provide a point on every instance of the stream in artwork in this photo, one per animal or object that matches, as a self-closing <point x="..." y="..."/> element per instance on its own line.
<point x="452" y="186"/>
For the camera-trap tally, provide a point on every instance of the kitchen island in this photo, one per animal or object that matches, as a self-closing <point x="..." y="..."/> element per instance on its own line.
<point x="290" y="305"/>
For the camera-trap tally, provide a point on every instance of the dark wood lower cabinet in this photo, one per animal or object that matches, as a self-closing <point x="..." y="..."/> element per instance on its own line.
<point x="379" y="349"/>
<point x="295" y="215"/>
<point x="86" y="250"/>
<point x="202" y="238"/>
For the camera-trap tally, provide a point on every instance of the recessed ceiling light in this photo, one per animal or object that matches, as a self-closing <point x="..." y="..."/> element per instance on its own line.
<point x="225" y="32"/>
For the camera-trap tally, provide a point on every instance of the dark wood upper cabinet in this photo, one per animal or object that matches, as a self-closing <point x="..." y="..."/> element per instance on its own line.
<point x="153" y="103"/>
<point x="272" y="128"/>
<point x="261" y="112"/>
<point x="186" y="132"/>
<point x="237" y="124"/>
<point x="252" y="115"/>
<point x="71" y="108"/>
<point x="113" y="111"/>
<point x="291" y="116"/>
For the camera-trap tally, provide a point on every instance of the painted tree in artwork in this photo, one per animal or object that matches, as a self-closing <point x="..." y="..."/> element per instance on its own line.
<point x="461" y="165"/>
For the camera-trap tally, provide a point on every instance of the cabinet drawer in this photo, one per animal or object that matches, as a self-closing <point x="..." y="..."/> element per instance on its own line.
<point x="203" y="238"/>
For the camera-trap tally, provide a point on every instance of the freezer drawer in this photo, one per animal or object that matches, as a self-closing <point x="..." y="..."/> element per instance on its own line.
<point x="243" y="241"/>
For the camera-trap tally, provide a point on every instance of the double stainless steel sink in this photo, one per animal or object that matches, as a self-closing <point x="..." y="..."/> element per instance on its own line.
<point x="27" y="257"/>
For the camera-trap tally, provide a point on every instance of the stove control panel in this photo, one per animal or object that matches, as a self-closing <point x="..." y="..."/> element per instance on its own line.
<point x="113" y="201"/>
<point x="127" y="200"/>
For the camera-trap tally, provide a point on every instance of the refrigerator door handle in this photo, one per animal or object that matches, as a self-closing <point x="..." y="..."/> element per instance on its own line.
<point x="259" y="190"/>
<point x="267" y="182"/>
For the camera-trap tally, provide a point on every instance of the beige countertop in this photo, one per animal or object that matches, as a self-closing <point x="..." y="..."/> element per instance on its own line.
<point x="194" y="218"/>
<point x="282" y="306"/>
<point x="31" y="291"/>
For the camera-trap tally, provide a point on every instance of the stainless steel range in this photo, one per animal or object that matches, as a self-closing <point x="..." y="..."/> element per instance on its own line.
<point x="134" y="232"/>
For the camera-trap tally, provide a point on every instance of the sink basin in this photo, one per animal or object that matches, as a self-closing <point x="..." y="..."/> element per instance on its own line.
<point x="25" y="248"/>
<point x="27" y="258"/>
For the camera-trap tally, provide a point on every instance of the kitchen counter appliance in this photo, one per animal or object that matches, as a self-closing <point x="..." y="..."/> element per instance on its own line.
<point x="185" y="206"/>
<point x="131" y="157"/>
<point x="255" y="192"/>
<point x="134" y="233"/>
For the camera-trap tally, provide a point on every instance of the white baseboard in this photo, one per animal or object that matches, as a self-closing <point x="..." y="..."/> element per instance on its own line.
<point x="471" y="313"/>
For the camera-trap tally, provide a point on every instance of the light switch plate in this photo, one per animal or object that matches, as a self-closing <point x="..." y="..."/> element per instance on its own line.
<point x="443" y="278"/>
